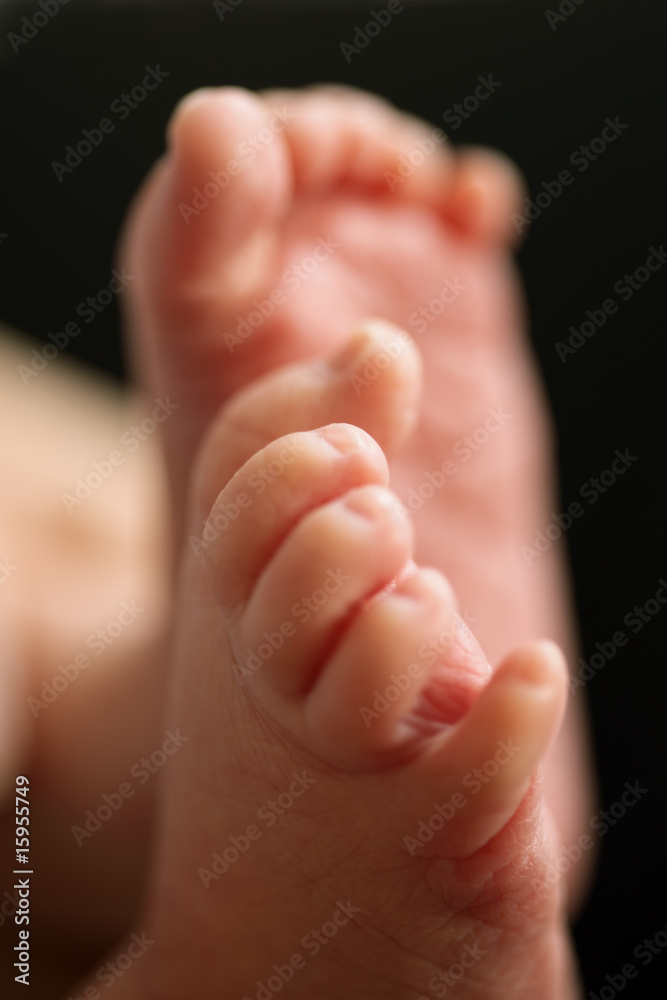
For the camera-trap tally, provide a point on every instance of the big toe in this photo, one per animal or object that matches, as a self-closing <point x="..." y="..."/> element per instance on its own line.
<point x="201" y="241"/>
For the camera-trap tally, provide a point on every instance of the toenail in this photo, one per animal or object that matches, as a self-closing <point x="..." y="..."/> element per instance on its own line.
<point x="372" y="501"/>
<point x="540" y="668"/>
<point x="347" y="359"/>
<point x="347" y="439"/>
<point x="186" y="104"/>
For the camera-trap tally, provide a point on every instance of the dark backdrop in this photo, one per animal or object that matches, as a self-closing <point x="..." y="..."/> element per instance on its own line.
<point x="559" y="81"/>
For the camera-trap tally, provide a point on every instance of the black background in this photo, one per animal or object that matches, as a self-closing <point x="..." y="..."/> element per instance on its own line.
<point x="606" y="59"/>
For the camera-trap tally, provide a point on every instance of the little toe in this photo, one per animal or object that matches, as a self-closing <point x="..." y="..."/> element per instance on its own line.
<point x="486" y="189"/>
<point x="484" y="767"/>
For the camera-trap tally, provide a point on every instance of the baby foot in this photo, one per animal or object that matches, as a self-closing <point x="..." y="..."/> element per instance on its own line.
<point x="348" y="816"/>
<point x="269" y="230"/>
<point x="273" y="226"/>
